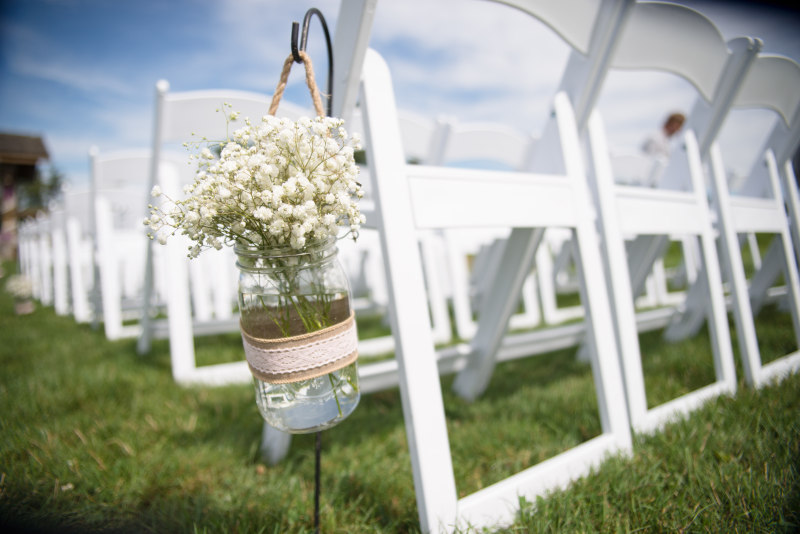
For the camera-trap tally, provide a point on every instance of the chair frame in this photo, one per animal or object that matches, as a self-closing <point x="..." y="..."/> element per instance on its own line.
<point x="176" y="116"/>
<point x="736" y="215"/>
<point x="416" y="193"/>
<point x="623" y="210"/>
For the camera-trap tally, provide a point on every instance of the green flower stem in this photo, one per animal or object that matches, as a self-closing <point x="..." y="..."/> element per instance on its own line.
<point x="314" y="313"/>
<point x="335" y="395"/>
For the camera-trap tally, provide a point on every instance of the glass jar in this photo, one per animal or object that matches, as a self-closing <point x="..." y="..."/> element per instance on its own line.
<point x="299" y="335"/>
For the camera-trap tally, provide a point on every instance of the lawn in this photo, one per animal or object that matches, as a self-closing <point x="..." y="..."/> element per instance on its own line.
<point x="98" y="439"/>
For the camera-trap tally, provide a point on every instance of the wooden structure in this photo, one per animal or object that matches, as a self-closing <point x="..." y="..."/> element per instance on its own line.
<point x="19" y="155"/>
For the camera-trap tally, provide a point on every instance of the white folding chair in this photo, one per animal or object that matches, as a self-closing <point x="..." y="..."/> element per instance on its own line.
<point x="593" y="30"/>
<point x="624" y="210"/>
<point x="29" y="253"/>
<point x="422" y="137"/>
<point x="411" y="197"/>
<point x="363" y="259"/>
<point x="717" y="70"/>
<point x="638" y="36"/>
<point x="70" y="257"/>
<point x="42" y="279"/>
<point x="773" y="82"/>
<point x="690" y="317"/>
<point x="80" y="250"/>
<point x="120" y="193"/>
<point x="481" y="143"/>
<point x="634" y="167"/>
<point x="185" y="117"/>
<point x="60" y="268"/>
<point x="25" y="248"/>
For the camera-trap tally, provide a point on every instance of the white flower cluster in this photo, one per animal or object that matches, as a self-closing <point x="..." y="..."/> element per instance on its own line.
<point x="19" y="286"/>
<point x="275" y="183"/>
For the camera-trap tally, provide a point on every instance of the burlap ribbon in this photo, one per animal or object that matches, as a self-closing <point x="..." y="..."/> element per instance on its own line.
<point x="280" y="360"/>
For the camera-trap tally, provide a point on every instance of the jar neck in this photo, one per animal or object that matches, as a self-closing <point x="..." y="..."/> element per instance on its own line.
<point x="254" y="258"/>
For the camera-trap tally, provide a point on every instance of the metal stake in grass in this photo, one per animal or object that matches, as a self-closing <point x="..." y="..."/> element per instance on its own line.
<point x="296" y="48"/>
<point x="317" y="470"/>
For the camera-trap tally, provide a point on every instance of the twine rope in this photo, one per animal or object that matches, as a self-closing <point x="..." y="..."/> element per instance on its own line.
<point x="310" y="81"/>
<point x="301" y="357"/>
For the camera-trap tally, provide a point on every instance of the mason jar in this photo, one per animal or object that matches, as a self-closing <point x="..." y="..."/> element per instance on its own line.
<point x="299" y="335"/>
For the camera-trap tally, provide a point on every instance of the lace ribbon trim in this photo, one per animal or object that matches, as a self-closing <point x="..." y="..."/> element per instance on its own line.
<point x="290" y="359"/>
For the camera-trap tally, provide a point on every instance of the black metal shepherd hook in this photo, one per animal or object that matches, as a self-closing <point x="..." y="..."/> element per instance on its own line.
<point x="295" y="53"/>
<point x="304" y="41"/>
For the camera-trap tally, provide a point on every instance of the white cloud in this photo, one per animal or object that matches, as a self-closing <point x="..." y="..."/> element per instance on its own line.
<point x="37" y="55"/>
<point x="254" y="38"/>
<point x="474" y="60"/>
<point x="74" y="76"/>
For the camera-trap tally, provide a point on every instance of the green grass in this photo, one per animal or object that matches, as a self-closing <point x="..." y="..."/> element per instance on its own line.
<point x="98" y="439"/>
<point x="732" y="467"/>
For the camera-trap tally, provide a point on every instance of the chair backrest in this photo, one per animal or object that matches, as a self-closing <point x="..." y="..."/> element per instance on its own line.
<point x="573" y="20"/>
<point x="634" y="167"/>
<point x="773" y="82"/>
<point x="78" y="205"/>
<point x="193" y="115"/>
<point x="201" y="111"/>
<point x="675" y="39"/>
<point x="178" y="118"/>
<point x="643" y="35"/>
<point x="592" y="28"/>
<point x="487" y="141"/>
<point x="421" y="136"/>
<point x="121" y="178"/>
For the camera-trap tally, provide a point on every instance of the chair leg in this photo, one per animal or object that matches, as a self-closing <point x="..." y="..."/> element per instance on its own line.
<point x="519" y="251"/>
<point x="274" y="444"/>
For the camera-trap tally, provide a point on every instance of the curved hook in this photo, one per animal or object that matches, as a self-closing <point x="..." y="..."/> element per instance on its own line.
<point x="304" y="42"/>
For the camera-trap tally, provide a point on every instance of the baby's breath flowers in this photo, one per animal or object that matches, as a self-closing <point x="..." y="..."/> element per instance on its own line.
<point x="275" y="183"/>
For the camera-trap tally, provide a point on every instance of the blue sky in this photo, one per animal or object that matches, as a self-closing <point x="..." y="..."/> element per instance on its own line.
<point x="82" y="72"/>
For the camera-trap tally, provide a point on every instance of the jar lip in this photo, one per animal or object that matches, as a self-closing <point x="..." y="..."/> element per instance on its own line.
<point x="284" y="251"/>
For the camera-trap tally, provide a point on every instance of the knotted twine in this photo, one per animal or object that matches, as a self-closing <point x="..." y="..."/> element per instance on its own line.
<point x="279" y="359"/>
<point x="310" y="81"/>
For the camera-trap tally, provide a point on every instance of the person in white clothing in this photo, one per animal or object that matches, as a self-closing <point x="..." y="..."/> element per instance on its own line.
<point x="658" y="143"/>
